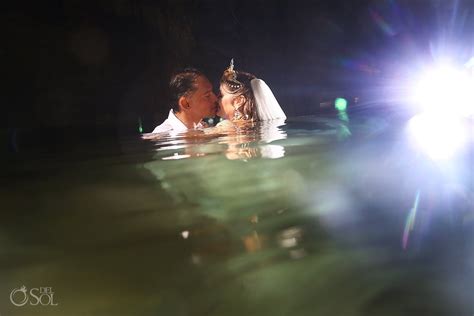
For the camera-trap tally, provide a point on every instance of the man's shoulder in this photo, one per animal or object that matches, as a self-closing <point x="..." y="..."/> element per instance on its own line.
<point x="166" y="126"/>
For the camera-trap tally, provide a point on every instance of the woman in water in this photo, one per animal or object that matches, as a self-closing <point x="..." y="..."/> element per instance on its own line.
<point x="246" y="98"/>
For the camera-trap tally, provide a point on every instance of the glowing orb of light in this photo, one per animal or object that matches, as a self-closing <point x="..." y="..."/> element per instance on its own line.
<point x="446" y="87"/>
<point x="340" y="104"/>
<point x="440" y="135"/>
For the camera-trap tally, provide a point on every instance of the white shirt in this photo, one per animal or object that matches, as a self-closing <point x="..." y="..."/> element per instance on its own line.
<point x="172" y="123"/>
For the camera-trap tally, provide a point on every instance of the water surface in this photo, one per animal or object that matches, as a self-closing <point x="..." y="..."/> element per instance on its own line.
<point x="312" y="216"/>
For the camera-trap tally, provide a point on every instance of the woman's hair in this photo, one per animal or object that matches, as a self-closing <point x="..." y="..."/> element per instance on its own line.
<point x="238" y="84"/>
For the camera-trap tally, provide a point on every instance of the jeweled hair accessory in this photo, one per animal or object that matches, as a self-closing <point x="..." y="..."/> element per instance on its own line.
<point x="231" y="66"/>
<point x="232" y="81"/>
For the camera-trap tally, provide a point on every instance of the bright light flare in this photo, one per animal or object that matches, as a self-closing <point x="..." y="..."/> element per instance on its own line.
<point x="340" y="104"/>
<point x="447" y="88"/>
<point x="439" y="134"/>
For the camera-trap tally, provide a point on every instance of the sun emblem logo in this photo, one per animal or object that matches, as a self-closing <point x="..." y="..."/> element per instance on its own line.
<point x="18" y="297"/>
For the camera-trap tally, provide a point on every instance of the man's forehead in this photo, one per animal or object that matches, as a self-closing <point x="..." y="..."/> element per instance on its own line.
<point x="203" y="84"/>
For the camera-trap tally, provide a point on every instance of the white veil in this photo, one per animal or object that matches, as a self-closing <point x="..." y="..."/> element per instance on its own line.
<point x="267" y="105"/>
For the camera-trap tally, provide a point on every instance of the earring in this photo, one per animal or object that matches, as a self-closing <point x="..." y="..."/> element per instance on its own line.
<point x="237" y="115"/>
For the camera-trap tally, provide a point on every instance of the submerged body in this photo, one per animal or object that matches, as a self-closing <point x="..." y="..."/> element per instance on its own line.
<point x="262" y="219"/>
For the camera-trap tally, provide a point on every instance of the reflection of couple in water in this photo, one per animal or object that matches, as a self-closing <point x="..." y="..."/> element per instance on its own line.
<point x="243" y="99"/>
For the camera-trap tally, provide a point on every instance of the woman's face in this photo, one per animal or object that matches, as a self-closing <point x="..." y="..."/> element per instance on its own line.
<point x="226" y="104"/>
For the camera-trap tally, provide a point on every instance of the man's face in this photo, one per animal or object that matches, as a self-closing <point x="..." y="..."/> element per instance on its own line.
<point x="203" y="101"/>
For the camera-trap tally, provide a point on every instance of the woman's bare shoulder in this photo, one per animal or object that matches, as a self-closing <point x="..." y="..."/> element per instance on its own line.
<point x="225" y="123"/>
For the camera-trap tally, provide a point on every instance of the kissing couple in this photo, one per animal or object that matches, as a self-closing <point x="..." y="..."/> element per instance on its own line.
<point x="243" y="98"/>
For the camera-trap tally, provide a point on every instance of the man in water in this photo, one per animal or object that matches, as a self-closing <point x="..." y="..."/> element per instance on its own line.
<point x="192" y="100"/>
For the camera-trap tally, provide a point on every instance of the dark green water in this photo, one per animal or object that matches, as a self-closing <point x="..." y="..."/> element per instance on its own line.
<point x="304" y="218"/>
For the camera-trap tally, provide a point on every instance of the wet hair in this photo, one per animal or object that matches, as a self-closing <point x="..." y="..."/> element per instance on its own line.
<point x="237" y="83"/>
<point x="183" y="83"/>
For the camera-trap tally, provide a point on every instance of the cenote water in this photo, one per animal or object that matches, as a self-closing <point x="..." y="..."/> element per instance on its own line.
<point x="333" y="215"/>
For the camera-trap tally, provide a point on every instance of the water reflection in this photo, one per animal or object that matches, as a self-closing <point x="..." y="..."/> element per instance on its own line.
<point x="253" y="141"/>
<point x="226" y="231"/>
<point x="243" y="141"/>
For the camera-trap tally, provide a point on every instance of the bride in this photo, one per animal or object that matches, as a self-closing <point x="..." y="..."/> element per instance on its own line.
<point x="245" y="98"/>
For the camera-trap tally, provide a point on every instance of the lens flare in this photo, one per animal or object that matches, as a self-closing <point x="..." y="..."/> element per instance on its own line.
<point x="446" y="87"/>
<point x="340" y="104"/>
<point x="140" y="125"/>
<point x="439" y="134"/>
<point x="410" y="222"/>
<point x="382" y="23"/>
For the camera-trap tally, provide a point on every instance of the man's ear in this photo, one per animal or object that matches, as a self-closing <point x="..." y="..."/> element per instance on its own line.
<point x="183" y="103"/>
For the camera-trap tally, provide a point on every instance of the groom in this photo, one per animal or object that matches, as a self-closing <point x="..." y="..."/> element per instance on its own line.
<point x="192" y="100"/>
